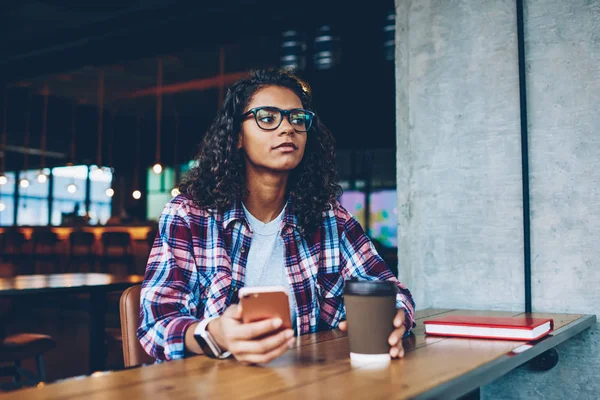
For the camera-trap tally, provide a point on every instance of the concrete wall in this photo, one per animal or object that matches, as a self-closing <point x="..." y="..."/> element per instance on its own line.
<point x="563" y="82"/>
<point x="458" y="155"/>
<point x="562" y="40"/>
<point x="459" y="181"/>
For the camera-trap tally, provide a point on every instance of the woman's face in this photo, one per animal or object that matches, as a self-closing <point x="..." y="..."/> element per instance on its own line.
<point x="279" y="150"/>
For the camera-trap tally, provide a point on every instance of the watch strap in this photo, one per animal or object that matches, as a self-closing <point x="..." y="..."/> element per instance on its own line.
<point x="207" y="342"/>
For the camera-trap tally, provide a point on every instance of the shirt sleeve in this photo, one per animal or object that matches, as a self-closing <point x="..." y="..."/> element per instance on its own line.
<point x="170" y="291"/>
<point x="358" y="258"/>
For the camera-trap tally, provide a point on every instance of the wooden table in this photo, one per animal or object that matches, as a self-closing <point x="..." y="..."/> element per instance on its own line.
<point x="319" y="367"/>
<point x="97" y="285"/>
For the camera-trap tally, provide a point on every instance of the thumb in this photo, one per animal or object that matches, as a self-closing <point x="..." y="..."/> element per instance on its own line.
<point x="234" y="311"/>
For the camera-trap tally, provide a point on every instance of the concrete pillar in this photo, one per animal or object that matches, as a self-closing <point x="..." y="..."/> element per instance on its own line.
<point x="459" y="168"/>
<point x="458" y="157"/>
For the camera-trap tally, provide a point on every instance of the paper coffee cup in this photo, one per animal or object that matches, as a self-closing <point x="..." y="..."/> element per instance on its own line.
<point x="370" y="312"/>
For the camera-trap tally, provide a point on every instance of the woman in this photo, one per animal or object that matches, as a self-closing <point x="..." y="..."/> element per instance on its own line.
<point x="258" y="209"/>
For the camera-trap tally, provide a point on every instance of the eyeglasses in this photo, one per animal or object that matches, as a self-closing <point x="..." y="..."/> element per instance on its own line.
<point x="269" y="118"/>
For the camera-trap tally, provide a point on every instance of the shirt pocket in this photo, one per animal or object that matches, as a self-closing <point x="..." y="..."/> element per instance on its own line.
<point x="330" y="285"/>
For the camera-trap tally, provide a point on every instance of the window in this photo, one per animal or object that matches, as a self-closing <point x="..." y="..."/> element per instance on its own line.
<point x="159" y="191"/>
<point x="383" y="219"/>
<point x="68" y="192"/>
<point x="7" y="203"/>
<point x="354" y="202"/>
<point x="100" y="202"/>
<point x="33" y="199"/>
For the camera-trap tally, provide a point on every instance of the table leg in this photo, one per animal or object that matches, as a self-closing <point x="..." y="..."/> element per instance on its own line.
<point x="97" y="350"/>
<point x="545" y="361"/>
<point x="472" y="395"/>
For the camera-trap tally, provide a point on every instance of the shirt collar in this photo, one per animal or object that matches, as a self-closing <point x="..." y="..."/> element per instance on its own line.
<point x="236" y="213"/>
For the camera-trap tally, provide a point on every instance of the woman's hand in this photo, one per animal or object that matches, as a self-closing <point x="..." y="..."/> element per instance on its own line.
<point x="395" y="339"/>
<point x="254" y="343"/>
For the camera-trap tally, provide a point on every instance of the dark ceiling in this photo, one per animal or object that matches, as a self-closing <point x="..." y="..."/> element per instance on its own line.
<point x="62" y="47"/>
<point x="51" y="36"/>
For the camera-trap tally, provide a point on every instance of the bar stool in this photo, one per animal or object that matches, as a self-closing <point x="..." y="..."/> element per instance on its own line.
<point x="45" y="249"/>
<point x="117" y="249"/>
<point x="13" y="247"/>
<point x="20" y="346"/>
<point x="81" y="250"/>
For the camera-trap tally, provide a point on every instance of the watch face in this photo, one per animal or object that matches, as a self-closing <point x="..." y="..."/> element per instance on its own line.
<point x="208" y="344"/>
<point x="203" y="343"/>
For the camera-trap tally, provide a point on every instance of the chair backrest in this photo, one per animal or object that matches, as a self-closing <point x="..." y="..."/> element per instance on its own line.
<point x="44" y="237"/>
<point x="116" y="239"/>
<point x="7" y="270"/>
<point x="13" y="238"/>
<point x="81" y="238"/>
<point x="133" y="352"/>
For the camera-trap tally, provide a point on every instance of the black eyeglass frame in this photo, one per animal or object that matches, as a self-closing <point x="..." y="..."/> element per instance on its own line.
<point x="283" y="113"/>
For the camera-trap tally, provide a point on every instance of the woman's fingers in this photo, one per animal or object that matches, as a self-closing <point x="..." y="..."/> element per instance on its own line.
<point x="265" y="358"/>
<point x="253" y="330"/>
<point x="396" y="336"/>
<point x="263" y="346"/>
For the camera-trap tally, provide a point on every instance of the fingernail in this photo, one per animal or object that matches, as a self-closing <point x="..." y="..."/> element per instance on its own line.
<point x="393" y="340"/>
<point x="401" y="354"/>
<point x="394" y="352"/>
<point x="291" y="342"/>
<point x="289" y="334"/>
<point x="277" y="323"/>
<point x="396" y="323"/>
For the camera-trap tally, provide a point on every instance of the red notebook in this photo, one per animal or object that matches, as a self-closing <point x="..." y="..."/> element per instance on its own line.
<point x="509" y="328"/>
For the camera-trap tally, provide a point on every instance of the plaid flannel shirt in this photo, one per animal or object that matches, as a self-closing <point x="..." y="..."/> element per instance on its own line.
<point x="198" y="262"/>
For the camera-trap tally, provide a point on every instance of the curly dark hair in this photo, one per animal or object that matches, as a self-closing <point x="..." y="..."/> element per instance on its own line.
<point x="217" y="180"/>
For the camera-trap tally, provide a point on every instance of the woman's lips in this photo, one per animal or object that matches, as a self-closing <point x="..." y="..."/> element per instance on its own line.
<point x="286" y="147"/>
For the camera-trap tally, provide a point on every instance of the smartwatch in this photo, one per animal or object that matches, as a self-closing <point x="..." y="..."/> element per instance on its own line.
<point x="207" y="342"/>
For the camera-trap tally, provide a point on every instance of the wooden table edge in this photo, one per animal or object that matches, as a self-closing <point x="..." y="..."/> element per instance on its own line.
<point x="113" y="286"/>
<point x="499" y="367"/>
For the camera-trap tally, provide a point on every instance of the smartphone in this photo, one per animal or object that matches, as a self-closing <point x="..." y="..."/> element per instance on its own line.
<point x="259" y="303"/>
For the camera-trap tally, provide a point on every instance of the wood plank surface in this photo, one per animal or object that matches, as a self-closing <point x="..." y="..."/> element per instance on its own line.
<point x="318" y="367"/>
<point x="422" y="368"/>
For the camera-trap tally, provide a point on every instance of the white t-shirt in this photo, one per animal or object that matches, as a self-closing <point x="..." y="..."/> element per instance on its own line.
<point x="266" y="257"/>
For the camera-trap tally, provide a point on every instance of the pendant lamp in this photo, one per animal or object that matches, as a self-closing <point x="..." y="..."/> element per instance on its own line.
<point x="157" y="168"/>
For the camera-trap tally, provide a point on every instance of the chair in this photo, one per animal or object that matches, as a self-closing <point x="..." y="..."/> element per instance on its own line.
<point x="44" y="249"/>
<point x="117" y="249"/>
<point x="133" y="352"/>
<point x="13" y="243"/>
<point x="81" y="250"/>
<point x="20" y="346"/>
